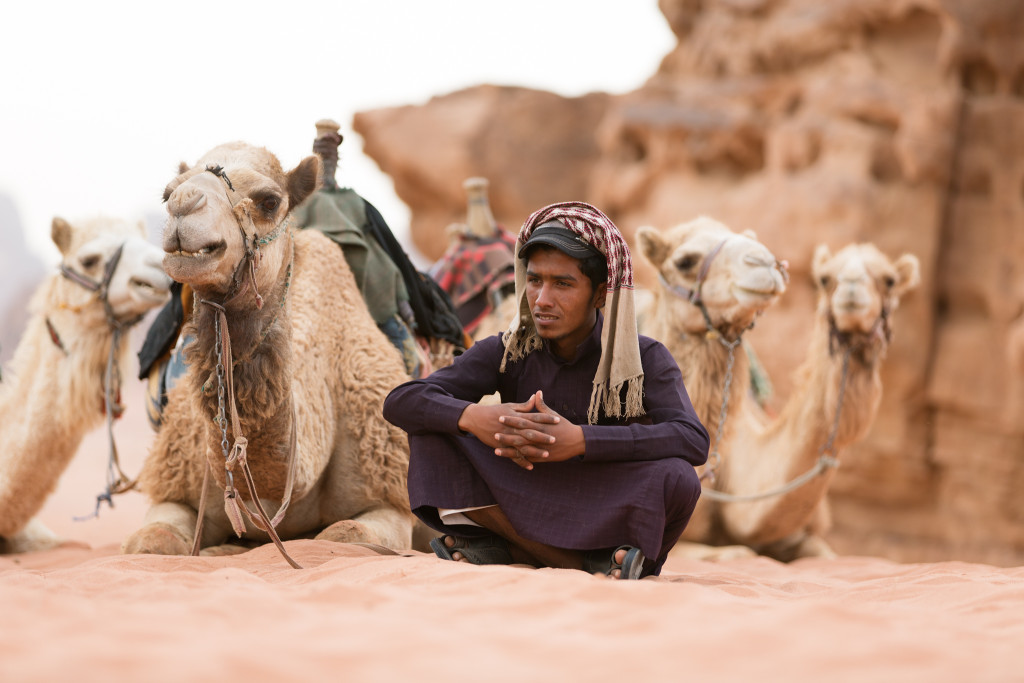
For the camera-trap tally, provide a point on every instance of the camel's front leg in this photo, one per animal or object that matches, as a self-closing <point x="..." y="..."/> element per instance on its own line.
<point x="168" y="530"/>
<point x="796" y="546"/>
<point x="688" y="550"/>
<point x="33" y="537"/>
<point x="384" y="526"/>
<point x="814" y="546"/>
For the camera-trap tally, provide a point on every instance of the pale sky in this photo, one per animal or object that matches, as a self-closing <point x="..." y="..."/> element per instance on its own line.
<point x="99" y="101"/>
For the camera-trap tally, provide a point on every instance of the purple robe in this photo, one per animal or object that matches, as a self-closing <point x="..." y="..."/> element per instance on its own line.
<point x="634" y="485"/>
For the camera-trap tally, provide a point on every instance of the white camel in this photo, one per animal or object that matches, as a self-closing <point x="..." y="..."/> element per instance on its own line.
<point x="61" y="380"/>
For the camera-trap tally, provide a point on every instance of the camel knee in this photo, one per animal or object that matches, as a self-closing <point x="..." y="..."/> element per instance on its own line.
<point x="382" y="526"/>
<point x="393" y="527"/>
<point x="168" y="530"/>
<point x="33" y="537"/>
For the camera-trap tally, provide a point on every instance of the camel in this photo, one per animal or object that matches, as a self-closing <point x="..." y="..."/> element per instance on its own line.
<point x="745" y="510"/>
<point x="59" y="388"/>
<point x="280" y="334"/>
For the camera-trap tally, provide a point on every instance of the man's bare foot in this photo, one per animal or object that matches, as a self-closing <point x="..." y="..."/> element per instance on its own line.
<point x="619" y="557"/>
<point x="623" y="562"/>
<point x="518" y="555"/>
<point x="449" y="542"/>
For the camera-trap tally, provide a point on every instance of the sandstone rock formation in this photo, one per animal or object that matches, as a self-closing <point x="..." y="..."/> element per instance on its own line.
<point x="899" y="122"/>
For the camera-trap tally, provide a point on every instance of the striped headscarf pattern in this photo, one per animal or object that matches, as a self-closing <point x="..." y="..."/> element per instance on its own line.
<point x="619" y="367"/>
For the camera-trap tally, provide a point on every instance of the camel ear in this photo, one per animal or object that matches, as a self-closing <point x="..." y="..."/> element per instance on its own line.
<point x="908" y="273"/>
<point x="182" y="167"/>
<point x="60" y="233"/>
<point x="749" y="233"/>
<point x="651" y="244"/>
<point x="303" y="180"/>
<point x="822" y="255"/>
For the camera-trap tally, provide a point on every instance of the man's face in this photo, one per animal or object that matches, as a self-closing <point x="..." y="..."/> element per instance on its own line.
<point x="561" y="299"/>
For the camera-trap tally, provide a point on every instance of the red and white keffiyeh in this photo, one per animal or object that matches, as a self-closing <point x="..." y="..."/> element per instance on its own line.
<point x="620" y="364"/>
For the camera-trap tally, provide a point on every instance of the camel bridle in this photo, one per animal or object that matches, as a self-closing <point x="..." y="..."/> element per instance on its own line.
<point x="117" y="480"/>
<point x="693" y="295"/>
<point x="235" y="455"/>
<point x="252" y="257"/>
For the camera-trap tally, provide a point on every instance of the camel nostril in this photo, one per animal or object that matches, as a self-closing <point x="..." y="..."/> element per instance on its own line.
<point x="185" y="203"/>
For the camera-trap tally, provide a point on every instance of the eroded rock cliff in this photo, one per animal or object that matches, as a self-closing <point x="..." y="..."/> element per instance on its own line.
<point x="899" y="122"/>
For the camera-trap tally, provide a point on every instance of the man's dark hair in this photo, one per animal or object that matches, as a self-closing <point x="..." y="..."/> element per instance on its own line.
<point x="595" y="267"/>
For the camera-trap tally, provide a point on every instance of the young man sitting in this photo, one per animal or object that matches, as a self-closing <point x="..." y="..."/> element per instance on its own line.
<point x="588" y="462"/>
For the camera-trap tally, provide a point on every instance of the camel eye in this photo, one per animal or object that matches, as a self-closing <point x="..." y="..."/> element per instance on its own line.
<point x="90" y="262"/>
<point x="889" y="281"/>
<point x="825" y="281"/>
<point x="270" y="204"/>
<point x="687" y="262"/>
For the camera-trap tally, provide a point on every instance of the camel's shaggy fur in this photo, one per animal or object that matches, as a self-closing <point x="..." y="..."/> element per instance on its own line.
<point x="757" y="454"/>
<point x="319" y="353"/>
<point x="52" y="397"/>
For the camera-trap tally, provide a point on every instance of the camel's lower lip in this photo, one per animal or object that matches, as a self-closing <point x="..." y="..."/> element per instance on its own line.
<point x="755" y="296"/>
<point x="756" y="292"/>
<point x="208" y="250"/>
<point x="188" y="268"/>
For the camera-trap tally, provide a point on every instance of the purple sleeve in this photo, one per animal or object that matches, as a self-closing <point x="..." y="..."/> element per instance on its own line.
<point x="435" y="403"/>
<point x="671" y="428"/>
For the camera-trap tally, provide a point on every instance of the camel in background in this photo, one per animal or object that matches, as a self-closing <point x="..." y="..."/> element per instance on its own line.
<point x="66" y="370"/>
<point x="770" y="477"/>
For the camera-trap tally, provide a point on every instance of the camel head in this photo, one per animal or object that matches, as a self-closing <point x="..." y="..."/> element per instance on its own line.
<point x="131" y="279"/>
<point x="859" y="287"/>
<point x="703" y="261"/>
<point x="236" y="197"/>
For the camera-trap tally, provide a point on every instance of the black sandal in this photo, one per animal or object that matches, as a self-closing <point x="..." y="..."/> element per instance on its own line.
<point x="490" y="549"/>
<point x="603" y="562"/>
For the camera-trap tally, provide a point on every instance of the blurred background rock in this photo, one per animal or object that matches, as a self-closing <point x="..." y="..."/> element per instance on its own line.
<point x="897" y="122"/>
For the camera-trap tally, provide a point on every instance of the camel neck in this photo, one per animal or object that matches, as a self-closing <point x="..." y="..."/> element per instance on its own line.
<point x="260" y="342"/>
<point x="709" y="379"/>
<point x="50" y="401"/>
<point x="817" y="407"/>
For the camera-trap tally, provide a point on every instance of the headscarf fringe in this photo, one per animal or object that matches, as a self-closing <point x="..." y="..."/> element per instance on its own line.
<point x="609" y="401"/>
<point x="517" y="348"/>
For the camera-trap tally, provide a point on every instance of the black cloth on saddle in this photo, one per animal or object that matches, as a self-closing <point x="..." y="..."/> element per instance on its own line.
<point x="433" y="309"/>
<point x="163" y="333"/>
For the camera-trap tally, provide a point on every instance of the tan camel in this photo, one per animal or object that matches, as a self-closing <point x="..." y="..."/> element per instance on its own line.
<point x="751" y="507"/>
<point x="56" y="392"/>
<point x="308" y="365"/>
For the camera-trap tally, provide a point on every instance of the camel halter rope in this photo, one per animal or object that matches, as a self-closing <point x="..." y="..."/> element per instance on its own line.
<point x="236" y="455"/>
<point x="117" y="480"/>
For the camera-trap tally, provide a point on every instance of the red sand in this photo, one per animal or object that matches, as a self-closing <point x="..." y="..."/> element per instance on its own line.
<point x="84" y="612"/>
